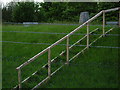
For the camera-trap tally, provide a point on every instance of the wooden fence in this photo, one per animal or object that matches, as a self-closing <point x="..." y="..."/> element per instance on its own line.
<point x="48" y="49"/>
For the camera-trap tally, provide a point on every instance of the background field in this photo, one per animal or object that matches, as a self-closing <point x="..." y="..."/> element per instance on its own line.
<point x="97" y="67"/>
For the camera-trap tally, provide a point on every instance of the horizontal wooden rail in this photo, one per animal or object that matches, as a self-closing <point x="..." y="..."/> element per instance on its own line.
<point x="47" y="78"/>
<point x="114" y="9"/>
<point x="59" y="41"/>
<point x="40" y="83"/>
<point x="82" y="38"/>
<point x="100" y="36"/>
<point x="58" y="56"/>
<point x="78" y="53"/>
<point x="109" y="30"/>
<point x="32" y="59"/>
<point x="45" y="50"/>
<point x="70" y="59"/>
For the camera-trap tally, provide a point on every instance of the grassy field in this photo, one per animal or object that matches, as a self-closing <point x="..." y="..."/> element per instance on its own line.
<point x="79" y="70"/>
<point x="95" y="68"/>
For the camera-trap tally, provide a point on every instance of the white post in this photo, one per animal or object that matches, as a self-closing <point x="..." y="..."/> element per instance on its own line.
<point x="19" y="79"/>
<point x="49" y="63"/>
<point x="103" y="22"/>
<point x="67" y="49"/>
<point x="87" y="35"/>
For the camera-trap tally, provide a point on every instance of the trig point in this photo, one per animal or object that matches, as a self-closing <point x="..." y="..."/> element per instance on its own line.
<point x="84" y="16"/>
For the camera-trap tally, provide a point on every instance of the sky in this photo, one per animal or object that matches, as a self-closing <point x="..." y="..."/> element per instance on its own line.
<point x="7" y="1"/>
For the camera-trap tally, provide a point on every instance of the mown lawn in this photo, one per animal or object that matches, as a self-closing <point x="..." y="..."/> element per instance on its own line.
<point x="14" y="54"/>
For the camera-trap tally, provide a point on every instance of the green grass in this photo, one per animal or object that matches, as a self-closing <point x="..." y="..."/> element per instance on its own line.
<point x="96" y="68"/>
<point x="16" y="54"/>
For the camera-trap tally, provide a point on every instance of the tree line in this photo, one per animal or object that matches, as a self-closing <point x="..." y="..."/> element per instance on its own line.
<point x="52" y="11"/>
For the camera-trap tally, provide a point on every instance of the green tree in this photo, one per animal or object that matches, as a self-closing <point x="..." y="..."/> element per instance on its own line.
<point x="110" y="16"/>
<point x="68" y="11"/>
<point x="24" y="12"/>
<point x="40" y="14"/>
<point x="7" y="12"/>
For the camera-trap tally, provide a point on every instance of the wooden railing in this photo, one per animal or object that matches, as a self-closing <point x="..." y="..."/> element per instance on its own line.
<point x="48" y="49"/>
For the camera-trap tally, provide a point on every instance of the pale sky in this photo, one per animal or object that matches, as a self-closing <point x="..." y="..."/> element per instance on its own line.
<point x="6" y="1"/>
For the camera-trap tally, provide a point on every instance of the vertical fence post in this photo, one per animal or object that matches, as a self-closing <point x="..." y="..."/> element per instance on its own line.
<point x="49" y="63"/>
<point x="19" y="79"/>
<point x="103" y="22"/>
<point x="87" y="35"/>
<point x="119" y="18"/>
<point x="67" y="49"/>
